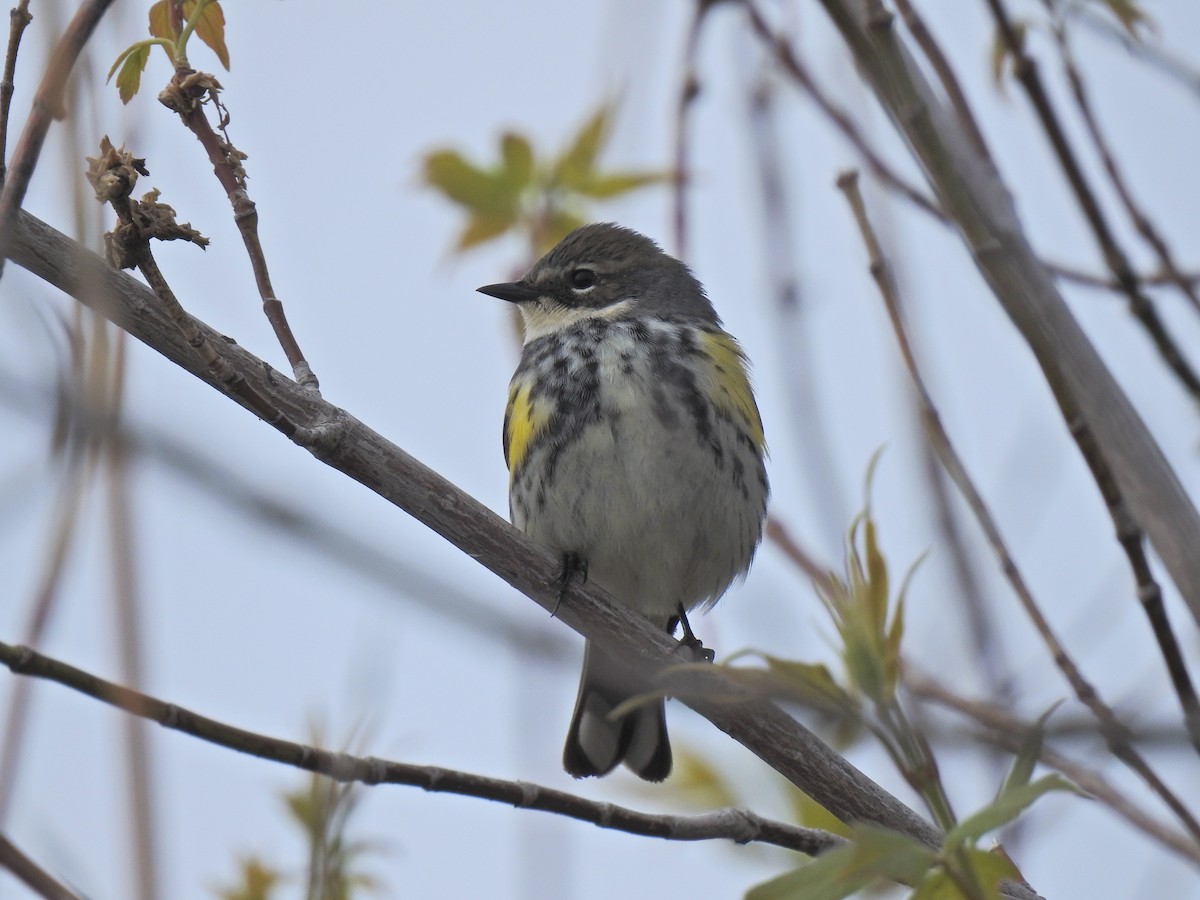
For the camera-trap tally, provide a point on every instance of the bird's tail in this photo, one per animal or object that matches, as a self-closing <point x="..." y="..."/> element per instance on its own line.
<point x="597" y="743"/>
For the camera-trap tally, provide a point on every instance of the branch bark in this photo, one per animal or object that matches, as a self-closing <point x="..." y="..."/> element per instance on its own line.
<point x="970" y="190"/>
<point x="346" y="444"/>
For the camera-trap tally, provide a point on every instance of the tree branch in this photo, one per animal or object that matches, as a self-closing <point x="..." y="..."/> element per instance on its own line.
<point x="346" y="444"/>
<point x="739" y="826"/>
<point x="972" y="193"/>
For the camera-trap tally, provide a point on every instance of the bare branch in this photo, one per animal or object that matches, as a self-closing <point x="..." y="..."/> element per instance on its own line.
<point x="1008" y="731"/>
<point x="982" y="210"/>
<point x="1025" y="69"/>
<point x="31" y="874"/>
<point x="739" y="826"/>
<point x="342" y="442"/>
<point x="47" y="104"/>
<point x="19" y="18"/>
<point x="1115" y="734"/>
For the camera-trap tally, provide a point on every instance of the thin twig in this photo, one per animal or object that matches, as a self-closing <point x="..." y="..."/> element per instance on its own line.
<point x="689" y="92"/>
<point x="1108" y="283"/>
<point x="924" y="38"/>
<point x="47" y="105"/>
<point x="1181" y="70"/>
<point x="186" y="94"/>
<point x="1137" y="215"/>
<point x="127" y="619"/>
<point x="801" y="378"/>
<point x="1113" y="731"/>
<point x="1143" y="309"/>
<point x="19" y="18"/>
<point x="739" y="826"/>
<point x="73" y="488"/>
<point x="346" y="444"/>
<point x="840" y="118"/>
<point x="1129" y="532"/>
<point x="113" y="174"/>
<point x="779" y="535"/>
<point x="31" y="874"/>
<point x="1008" y="731"/>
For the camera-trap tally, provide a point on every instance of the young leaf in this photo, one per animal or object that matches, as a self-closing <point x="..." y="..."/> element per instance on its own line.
<point x="482" y="227"/>
<point x="576" y="165"/>
<point x="160" y="22"/>
<point x="603" y="187"/>
<point x="129" y="79"/>
<point x="210" y="28"/>
<point x="1027" y="755"/>
<point x="517" y="154"/>
<point x="822" y="879"/>
<point x="465" y="183"/>
<point x="1005" y="808"/>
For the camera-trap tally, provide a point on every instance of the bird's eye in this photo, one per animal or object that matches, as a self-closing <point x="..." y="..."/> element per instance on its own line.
<point x="582" y="279"/>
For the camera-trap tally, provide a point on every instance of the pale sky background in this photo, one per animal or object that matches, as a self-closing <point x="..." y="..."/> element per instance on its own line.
<point x="335" y="105"/>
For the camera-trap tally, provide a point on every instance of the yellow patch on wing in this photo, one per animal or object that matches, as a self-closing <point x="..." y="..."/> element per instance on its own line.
<point x="732" y="394"/>
<point x="523" y="420"/>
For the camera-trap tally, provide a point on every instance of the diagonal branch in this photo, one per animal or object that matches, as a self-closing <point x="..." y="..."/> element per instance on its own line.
<point x="973" y="194"/>
<point x="346" y="444"/>
<point x="739" y="826"/>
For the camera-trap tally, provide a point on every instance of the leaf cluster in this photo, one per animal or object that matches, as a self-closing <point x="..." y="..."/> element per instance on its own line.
<point x="204" y="18"/>
<point x="541" y="197"/>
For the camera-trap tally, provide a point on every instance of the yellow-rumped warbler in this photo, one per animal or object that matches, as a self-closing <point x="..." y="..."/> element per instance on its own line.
<point x="635" y="450"/>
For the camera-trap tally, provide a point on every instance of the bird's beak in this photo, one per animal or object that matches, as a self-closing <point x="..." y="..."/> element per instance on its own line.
<point x="512" y="291"/>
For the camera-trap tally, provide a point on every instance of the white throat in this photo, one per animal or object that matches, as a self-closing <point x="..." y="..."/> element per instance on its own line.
<point x="543" y="318"/>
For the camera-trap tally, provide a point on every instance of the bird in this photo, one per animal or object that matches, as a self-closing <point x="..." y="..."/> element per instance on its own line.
<point x="635" y="452"/>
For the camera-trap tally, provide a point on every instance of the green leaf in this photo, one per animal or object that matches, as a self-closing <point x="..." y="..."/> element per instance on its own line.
<point x="210" y="28"/>
<point x="697" y="782"/>
<point x="517" y="154"/>
<point x="604" y="187"/>
<point x="808" y="812"/>
<point x="821" y="879"/>
<point x="160" y="22"/>
<point x="1027" y="755"/>
<point x="258" y="882"/>
<point x="129" y="79"/>
<point x="577" y="164"/>
<point x="468" y="185"/>
<point x="876" y="853"/>
<point x="810" y="683"/>
<point x="1005" y="808"/>
<point x="482" y="227"/>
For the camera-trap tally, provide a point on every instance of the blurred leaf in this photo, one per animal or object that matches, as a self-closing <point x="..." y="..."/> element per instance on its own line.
<point x="698" y="782"/>
<point x="554" y="228"/>
<point x="1005" y="808"/>
<point x="1130" y="15"/>
<point x="1027" y="755"/>
<point x="988" y="868"/>
<point x="876" y="853"/>
<point x="808" y="812"/>
<point x="210" y="28"/>
<point x="604" y="187"/>
<point x="1001" y="57"/>
<point x="258" y="882"/>
<point x="821" y="879"/>
<point x="517" y="154"/>
<point x="160" y="21"/>
<point x="132" y="63"/>
<point x="483" y="227"/>
<point x="810" y="683"/>
<point x="577" y="164"/>
<point x="468" y="185"/>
